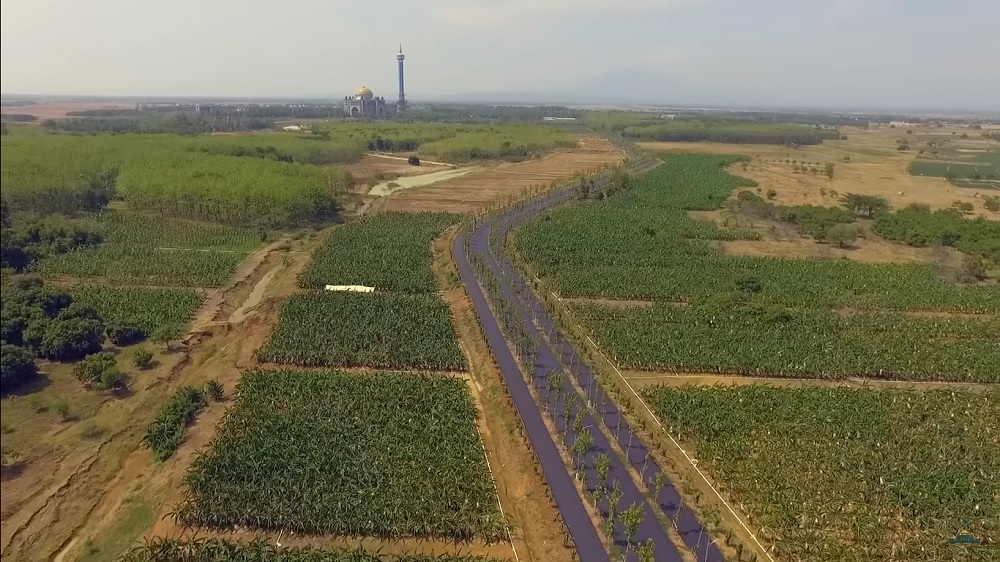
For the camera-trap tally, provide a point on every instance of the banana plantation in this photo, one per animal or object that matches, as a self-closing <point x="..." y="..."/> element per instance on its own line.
<point x="385" y="455"/>
<point x="848" y="474"/>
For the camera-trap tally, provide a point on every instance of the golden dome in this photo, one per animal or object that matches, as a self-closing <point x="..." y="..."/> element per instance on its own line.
<point x="365" y="92"/>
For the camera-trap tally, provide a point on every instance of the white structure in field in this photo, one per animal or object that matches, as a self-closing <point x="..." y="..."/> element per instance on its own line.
<point x="351" y="288"/>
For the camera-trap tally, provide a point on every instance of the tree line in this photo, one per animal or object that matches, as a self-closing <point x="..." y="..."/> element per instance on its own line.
<point x="178" y="123"/>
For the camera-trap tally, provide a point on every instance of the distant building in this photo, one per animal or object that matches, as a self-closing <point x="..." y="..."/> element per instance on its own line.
<point x="550" y="118"/>
<point x="365" y="105"/>
<point x="291" y="128"/>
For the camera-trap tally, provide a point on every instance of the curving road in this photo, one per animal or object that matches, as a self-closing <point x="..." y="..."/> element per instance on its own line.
<point x="485" y="246"/>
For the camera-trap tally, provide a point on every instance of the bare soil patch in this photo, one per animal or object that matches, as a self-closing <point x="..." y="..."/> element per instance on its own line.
<point x="641" y="379"/>
<point x="474" y="191"/>
<point x="871" y="250"/>
<point x="370" y="165"/>
<point x="614" y="303"/>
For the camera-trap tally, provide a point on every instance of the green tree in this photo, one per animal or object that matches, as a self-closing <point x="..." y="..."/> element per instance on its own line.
<point x="631" y="519"/>
<point x="603" y="464"/>
<point x="615" y="497"/>
<point x="992" y="204"/>
<point x="583" y="189"/>
<point x="842" y="235"/>
<point x="829" y="169"/>
<point x="581" y="446"/>
<point x="658" y="483"/>
<point x="646" y="551"/>
<point x="869" y="205"/>
<point x="72" y="338"/>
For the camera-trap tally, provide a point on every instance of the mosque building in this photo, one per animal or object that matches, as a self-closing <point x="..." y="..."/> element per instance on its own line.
<point x="364" y="104"/>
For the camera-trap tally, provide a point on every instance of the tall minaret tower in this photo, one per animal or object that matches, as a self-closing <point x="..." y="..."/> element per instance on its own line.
<point x="401" y="104"/>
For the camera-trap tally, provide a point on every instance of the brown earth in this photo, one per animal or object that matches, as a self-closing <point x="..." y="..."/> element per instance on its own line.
<point x="875" y="168"/>
<point x="640" y="379"/>
<point x="57" y="110"/>
<point x="369" y="165"/>
<point x="476" y="190"/>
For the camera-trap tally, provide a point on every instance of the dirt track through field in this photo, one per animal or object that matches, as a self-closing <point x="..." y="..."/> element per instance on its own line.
<point x="83" y="488"/>
<point x="476" y="190"/>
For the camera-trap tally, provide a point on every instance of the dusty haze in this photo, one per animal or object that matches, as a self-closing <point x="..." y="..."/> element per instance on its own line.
<point x="841" y="53"/>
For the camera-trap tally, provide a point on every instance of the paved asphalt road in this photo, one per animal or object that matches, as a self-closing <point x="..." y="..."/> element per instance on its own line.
<point x="533" y="318"/>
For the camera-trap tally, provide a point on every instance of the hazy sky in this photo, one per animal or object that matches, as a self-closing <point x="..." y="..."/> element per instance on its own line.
<point x="846" y="53"/>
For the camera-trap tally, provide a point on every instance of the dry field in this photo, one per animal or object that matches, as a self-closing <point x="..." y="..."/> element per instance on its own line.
<point x="371" y="164"/>
<point x="57" y="110"/>
<point x="474" y="191"/>
<point x="875" y="167"/>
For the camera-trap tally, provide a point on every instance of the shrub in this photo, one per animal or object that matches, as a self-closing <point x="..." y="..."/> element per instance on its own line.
<point x="112" y="379"/>
<point x="963" y="206"/>
<point x="89" y="369"/>
<point x="214" y="390"/>
<point x="842" y="235"/>
<point x="413" y="161"/>
<point x="973" y="269"/>
<point x="142" y="358"/>
<point x="62" y="410"/>
<point x="992" y="204"/>
<point x="771" y="194"/>
<point x="750" y="285"/>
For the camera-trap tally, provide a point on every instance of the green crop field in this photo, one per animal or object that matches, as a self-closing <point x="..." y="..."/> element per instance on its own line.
<point x="637" y="245"/>
<point x="150" y="250"/>
<point x="192" y="177"/>
<point x="773" y="341"/>
<point x="749" y="315"/>
<point x="963" y="169"/>
<point x="215" y="550"/>
<point x="849" y="475"/>
<point x="387" y="455"/>
<point x="455" y="142"/>
<point x="154" y="311"/>
<point x="687" y="128"/>
<point x="388" y="251"/>
<point x="394" y="331"/>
